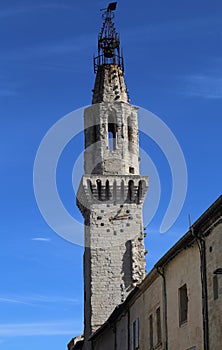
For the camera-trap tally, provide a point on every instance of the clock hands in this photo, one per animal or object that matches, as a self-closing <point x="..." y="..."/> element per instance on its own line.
<point x="118" y="216"/>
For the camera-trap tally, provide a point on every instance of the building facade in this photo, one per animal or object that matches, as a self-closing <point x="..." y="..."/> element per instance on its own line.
<point x="178" y="306"/>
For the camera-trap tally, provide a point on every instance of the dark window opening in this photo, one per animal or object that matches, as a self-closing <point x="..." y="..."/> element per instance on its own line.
<point x="183" y="304"/>
<point x="99" y="189"/>
<point x="131" y="170"/>
<point x="151" y="331"/>
<point x="135" y="335"/>
<point x="107" y="190"/>
<point x="158" y="326"/>
<point x="215" y="287"/>
<point x="130" y="190"/>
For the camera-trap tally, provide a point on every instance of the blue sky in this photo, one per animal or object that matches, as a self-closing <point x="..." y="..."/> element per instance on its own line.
<point x="173" y="65"/>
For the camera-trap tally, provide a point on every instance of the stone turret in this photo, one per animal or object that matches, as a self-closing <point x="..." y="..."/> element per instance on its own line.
<point x="112" y="191"/>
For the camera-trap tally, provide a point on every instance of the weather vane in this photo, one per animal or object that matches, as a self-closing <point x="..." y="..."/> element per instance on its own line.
<point x="111" y="7"/>
<point x="108" y="41"/>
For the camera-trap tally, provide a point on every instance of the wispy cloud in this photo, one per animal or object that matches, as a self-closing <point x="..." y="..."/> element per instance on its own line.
<point x="41" y="239"/>
<point x="203" y="86"/>
<point x="11" y="300"/>
<point x="39" y="328"/>
<point x="38" y="300"/>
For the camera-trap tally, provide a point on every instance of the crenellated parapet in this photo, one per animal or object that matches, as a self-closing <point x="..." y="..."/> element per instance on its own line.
<point x="125" y="189"/>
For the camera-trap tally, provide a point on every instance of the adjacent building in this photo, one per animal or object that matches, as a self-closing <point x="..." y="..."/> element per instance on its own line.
<point x="178" y="306"/>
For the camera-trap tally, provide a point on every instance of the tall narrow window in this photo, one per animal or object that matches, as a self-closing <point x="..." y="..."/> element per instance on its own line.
<point x="135" y="335"/>
<point x="130" y="191"/>
<point x="99" y="189"/>
<point x="158" y="326"/>
<point x="151" y="331"/>
<point x="107" y="190"/>
<point x="183" y="304"/>
<point x="139" y="192"/>
<point x="111" y="134"/>
<point x="215" y="287"/>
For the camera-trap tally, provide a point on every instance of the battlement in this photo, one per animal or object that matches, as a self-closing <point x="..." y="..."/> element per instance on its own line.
<point x="95" y="189"/>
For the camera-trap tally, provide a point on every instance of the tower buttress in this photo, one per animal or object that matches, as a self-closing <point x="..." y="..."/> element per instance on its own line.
<point x="112" y="191"/>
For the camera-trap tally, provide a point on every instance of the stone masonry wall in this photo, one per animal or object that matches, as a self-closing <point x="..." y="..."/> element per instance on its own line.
<point x="117" y="258"/>
<point x="98" y="158"/>
<point x="110" y="197"/>
<point x="109" y="85"/>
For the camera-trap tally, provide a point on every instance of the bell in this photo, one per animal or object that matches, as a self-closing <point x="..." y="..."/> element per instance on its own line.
<point x="108" y="52"/>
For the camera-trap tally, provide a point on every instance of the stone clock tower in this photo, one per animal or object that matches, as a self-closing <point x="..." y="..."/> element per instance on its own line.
<point x="112" y="191"/>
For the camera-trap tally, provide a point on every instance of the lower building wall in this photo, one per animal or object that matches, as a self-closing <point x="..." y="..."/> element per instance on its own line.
<point x="141" y="326"/>
<point x="106" y="341"/>
<point x="122" y="336"/>
<point x="184" y="270"/>
<point x="141" y="320"/>
<point x="144" y="308"/>
<point x="122" y="329"/>
<point x="214" y="283"/>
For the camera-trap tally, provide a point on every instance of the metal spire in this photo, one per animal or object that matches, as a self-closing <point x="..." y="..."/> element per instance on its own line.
<point x="108" y="41"/>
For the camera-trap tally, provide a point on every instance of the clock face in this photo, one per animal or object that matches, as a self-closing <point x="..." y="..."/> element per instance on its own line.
<point x="120" y="214"/>
<point x="119" y="220"/>
<point x="114" y="225"/>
